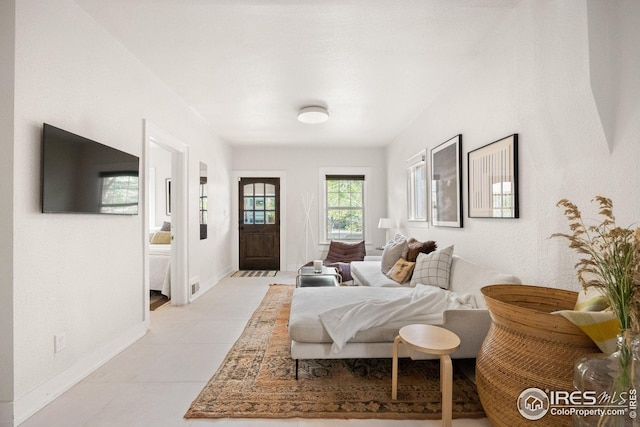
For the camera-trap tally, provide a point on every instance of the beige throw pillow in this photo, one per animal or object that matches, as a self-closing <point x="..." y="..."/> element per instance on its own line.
<point x="401" y="271"/>
<point x="161" y="238"/>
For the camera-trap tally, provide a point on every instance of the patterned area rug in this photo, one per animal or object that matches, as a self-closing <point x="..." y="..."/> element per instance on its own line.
<point x="255" y="273"/>
<point x="257" y="380"/>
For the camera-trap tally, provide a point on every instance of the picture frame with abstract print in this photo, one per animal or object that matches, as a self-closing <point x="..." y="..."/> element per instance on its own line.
<point x="493" y="179"/>
<point x="446" y="183"/>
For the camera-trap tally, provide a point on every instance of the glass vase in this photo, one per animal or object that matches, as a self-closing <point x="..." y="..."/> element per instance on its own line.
<point x="608" y="386"/>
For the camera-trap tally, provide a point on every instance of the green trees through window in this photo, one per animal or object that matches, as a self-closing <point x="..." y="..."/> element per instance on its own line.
<point x="345" y="207"/>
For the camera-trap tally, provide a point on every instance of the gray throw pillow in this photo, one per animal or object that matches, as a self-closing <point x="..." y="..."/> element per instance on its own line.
<point x="433" y="269"/>
<point x="392" y="252"/>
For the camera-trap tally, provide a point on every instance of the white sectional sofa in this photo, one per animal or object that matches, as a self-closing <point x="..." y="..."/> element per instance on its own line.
<point x="310" y="340"/>
<point x="369" y="273"/>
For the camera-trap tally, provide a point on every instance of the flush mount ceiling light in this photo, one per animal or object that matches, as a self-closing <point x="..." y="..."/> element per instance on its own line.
<point x="313" y="114"/>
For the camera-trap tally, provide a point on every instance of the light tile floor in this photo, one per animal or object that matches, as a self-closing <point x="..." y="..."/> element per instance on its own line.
<point x="153" y="382"/>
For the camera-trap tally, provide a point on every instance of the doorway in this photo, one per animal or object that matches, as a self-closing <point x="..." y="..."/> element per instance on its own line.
<point x="259" y="223"/>
<point x="177" y="199"/>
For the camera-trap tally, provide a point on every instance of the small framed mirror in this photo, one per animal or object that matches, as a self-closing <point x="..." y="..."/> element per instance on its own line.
<point x="203" y="203"/>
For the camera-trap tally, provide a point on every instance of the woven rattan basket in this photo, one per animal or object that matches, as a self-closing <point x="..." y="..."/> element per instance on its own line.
<point x="527" y="346"/>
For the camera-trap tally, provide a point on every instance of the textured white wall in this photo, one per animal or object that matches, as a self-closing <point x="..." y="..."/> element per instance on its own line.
<point x="532" y="77"/>
<point x="83" y="274"/>
<point x="302" y="171"/>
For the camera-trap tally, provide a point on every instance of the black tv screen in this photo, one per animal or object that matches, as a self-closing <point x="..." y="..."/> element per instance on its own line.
<point x="83" y="176"/>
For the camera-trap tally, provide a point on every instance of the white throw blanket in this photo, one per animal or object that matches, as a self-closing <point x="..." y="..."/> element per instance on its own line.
<point x="426" y="305"/>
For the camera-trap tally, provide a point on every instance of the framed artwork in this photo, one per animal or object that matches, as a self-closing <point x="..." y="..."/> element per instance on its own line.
<point x="493" y="179"/>
<point x="446" y="183"/>
<point x="167" y="192"/>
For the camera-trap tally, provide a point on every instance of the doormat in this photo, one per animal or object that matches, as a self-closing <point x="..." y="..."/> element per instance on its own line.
<point x="257" y="380"/>
<point x="255" y="273"/>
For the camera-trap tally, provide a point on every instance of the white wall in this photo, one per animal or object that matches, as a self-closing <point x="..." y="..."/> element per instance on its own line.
<point x="301" y="167"/>
<point x="533" y="76"/>
<point x="7" y="57"/>
<point x="83" y="274"/>
<point x="160" y="161"/>
<point x="210" y="259"/>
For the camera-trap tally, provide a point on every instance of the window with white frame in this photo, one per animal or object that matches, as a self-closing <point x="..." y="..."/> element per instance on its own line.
<point x="417" y="188"/>
<point x="345" y="207"/>
<point x="343" y="203"/>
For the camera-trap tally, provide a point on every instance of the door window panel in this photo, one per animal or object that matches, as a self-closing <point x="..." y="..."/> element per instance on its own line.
<point x="259" y="203"/>
<point x="270" y="203"/>
<point x="248" y="217"/>
<point x="271" y="217"/>
<point x="248" y="203"/>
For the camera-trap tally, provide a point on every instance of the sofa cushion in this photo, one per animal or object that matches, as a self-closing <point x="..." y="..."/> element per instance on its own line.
<point x="415" y="247"/>
<point x="367" y="273"/>
<point x="395" y="249"/>
<point x="433" y="269"/>
<point x="468" y="277"/>
<point x="401" y="271"/>
<point x="345" y="251"/>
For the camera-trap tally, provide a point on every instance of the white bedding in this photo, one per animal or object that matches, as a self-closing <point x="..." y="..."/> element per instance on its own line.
<point x="160" y="269"/>
<point x="425" y="304"/>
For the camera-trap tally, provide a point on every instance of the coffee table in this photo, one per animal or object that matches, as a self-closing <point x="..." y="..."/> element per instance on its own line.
<point x="308" y="277"/>
<point x="429" y="339"/>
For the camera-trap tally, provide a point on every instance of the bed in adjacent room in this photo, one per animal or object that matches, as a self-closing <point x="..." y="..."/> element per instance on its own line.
<point x="160" y="262"/>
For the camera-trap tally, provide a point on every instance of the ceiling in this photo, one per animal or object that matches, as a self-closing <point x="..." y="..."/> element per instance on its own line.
<point x="248" y="66"/>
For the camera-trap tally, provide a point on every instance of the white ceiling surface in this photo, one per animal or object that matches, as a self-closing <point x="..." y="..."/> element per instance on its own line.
<point x="248" y="66"/>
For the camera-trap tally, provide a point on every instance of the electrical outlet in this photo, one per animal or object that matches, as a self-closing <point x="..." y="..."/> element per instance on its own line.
<point x="59" y="342"/>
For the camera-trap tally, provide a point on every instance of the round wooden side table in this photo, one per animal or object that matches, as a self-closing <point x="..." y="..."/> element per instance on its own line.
<point x="434" y="340"/>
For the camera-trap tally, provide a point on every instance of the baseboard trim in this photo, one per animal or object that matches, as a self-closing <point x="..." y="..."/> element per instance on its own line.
<point x="32" y="402"/>
<point x="205" y="286"/>
<point x="224" y="273"/>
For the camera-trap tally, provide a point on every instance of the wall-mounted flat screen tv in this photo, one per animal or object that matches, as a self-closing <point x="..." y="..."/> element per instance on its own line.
<point x="83" y="176"/>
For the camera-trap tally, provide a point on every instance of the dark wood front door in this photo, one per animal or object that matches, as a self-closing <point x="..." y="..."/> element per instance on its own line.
<point x="259" y="223"/>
